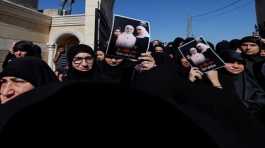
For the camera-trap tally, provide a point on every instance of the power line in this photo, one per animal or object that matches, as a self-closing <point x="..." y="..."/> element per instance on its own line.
<point x="228" y="11"/>
<point x="217" y="10"/>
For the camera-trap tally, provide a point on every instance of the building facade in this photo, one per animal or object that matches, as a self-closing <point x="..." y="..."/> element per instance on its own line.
<point x="20" y="20"/>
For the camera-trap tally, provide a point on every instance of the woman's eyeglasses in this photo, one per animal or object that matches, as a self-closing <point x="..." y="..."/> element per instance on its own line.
<point x="78" y="60"/>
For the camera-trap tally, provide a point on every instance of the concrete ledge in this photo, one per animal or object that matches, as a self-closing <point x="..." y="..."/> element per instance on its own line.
<point x="24" y="17"/>
<point x="68" y="20"/>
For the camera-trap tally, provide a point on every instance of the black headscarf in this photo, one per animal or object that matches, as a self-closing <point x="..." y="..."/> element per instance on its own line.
<point x="74" y="74"/>
<point x="31" y="49"/>
<point x="114" y="115"/>
<point x="119" y="73"/>
<point x="24" y="46"/>
<point x="31" y="69"/>
<point x="228" y="54"/>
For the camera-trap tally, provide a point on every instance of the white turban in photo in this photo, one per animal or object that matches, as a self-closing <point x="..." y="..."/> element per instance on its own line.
<point x="196" y="57"/>
<point x="126" y="39"/>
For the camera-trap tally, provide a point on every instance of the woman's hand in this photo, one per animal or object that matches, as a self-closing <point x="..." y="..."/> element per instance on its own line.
<point x="148" y="62"/>
<point x="195" y="74"/>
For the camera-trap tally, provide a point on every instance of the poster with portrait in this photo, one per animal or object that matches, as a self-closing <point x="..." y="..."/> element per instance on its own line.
<point x="129" y="38"/>
<point x="201" y="55"/>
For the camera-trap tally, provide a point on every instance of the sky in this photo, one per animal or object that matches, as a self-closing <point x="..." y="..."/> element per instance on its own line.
<point x="168" y="18"/>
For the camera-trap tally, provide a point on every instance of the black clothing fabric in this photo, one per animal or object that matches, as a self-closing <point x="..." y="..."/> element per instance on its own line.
<point x="24" y="100"/>
<point x="9" y="57"/>
<point x="162" y="58"/>
<point x="142" y="44"/>
<point x="76" y="75"/>
<point x="221" y="113"/>
<point x="77" y="114"/>
<point x="120" y="73"/>
<point x="31" y="69"/>
<point x="247" y="86"/>
<point x="257" y="69"/>
<point x="164" y="80"/>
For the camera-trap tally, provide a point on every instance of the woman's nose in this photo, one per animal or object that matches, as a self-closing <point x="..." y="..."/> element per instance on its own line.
<point x="7" y="91"/>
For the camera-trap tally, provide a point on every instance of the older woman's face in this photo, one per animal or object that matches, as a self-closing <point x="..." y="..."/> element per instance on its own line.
<point x="12" y="87"/>
<point x="83" y="62"/>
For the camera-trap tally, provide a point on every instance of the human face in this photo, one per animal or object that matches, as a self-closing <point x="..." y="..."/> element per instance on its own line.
<point x="117" y="32"/>
<point x="202" y="46"/>
<point x="250" y="48"/>
<point x="139" y="30"/>
<point x="20" y="54"/>
<point x="113" y="61"/>
<point x="234" y="68"/>
<point x="12" y="87"/>
<point x="100" y="55"/>
<point x="193" y="51"/>
<point x="129" y="29"/>
<point x="185" y="63"/>
<point x="159" y="49"/>
<point x="83" y="62"/>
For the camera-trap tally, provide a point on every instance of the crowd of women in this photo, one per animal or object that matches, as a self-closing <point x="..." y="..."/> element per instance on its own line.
<point x="159" y="93"/>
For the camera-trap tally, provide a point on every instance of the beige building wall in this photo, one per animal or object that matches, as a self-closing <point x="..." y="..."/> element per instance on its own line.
<point x="27" y="3"/>
<point x="20" y="23"/>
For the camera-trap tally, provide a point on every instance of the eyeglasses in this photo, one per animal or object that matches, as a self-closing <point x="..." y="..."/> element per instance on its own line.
<point x="78" y="60"/>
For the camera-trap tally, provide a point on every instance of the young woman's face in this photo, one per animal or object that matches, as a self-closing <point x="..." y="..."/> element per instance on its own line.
<point x="235" y="68"/>
<point x="20" y="54"/>
<point x="184" y="62"/>
<point x="159" y="49"/>
<point x="12" y="87"/>
<point x="113" y="61"/>
<point x="100" y="55"/>
<point x="83" y="62"/>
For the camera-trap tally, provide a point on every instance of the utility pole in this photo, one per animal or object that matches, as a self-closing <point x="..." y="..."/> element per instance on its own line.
<point x="189" y="27"/>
